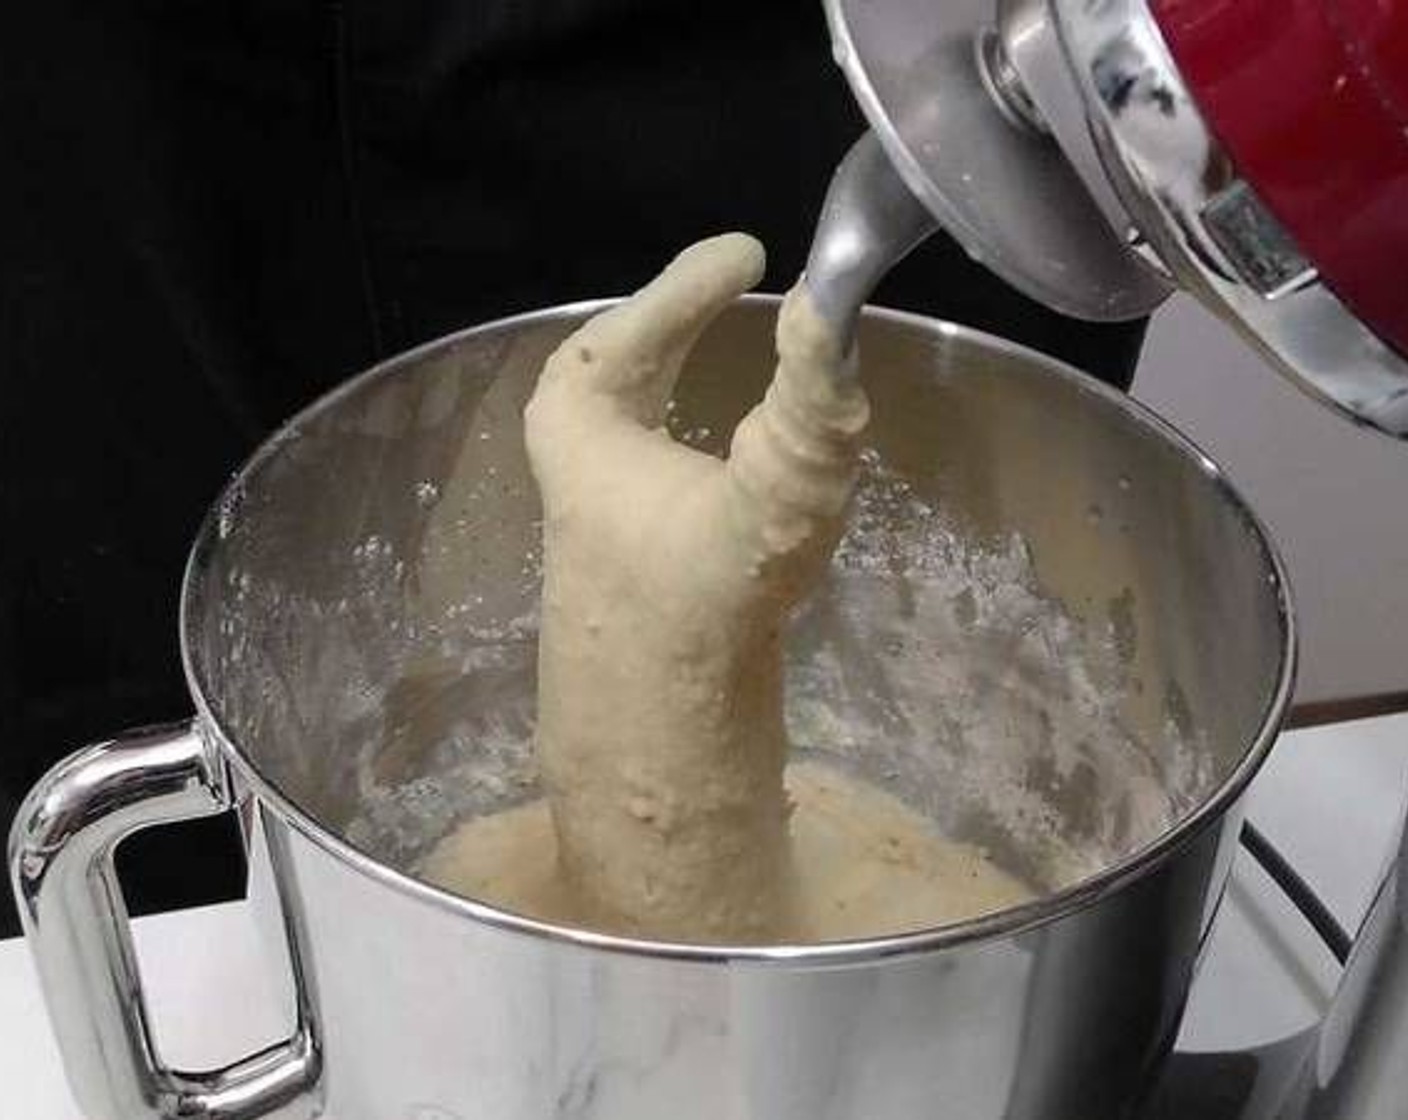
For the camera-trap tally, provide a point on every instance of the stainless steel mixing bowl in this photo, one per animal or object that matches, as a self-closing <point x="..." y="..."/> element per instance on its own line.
<point x="1056" y="629"/>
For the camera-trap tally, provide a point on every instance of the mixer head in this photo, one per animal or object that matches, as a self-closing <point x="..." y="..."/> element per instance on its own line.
<point x="1059" y="143"/>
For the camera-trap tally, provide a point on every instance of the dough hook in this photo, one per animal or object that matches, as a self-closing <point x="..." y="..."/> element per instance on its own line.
<point x="868" y="223"/>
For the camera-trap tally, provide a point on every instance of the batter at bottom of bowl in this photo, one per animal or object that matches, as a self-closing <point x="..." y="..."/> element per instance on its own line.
<point x="668" y="577"/>
<point x="863" y="864"/>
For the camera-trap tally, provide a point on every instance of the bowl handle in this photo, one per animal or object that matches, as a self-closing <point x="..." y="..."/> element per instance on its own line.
<point x="72" y="909"/>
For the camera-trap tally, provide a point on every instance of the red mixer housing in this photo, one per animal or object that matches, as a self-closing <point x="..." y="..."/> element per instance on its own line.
<point x="1310" y="100"/>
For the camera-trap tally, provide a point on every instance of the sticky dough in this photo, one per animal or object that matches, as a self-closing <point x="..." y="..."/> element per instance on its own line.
<point x="668" y="577"/>
<point x="863" y="864"/>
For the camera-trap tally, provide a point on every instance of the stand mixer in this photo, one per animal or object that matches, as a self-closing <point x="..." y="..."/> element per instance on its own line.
<point x="1099" y="155"/>
<point x="360" y="571"/>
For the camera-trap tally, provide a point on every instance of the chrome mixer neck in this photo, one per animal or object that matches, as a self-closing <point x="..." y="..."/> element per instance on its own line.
<point x="946" y="97"/>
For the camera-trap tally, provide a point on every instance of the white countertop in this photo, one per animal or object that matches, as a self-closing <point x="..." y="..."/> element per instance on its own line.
<point x="1329" y="799"/>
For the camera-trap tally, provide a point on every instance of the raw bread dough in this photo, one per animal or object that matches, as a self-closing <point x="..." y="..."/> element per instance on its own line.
<point x="668" y="575"/>
<point x="668" y="578"/>
<point x="863" y="864"/>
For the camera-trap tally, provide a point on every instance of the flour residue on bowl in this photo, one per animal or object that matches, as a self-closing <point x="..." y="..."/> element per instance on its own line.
<point x="937" y="658"/>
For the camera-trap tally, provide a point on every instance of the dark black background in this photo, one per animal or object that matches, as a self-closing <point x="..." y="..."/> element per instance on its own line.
<point x="211" y="212"/>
